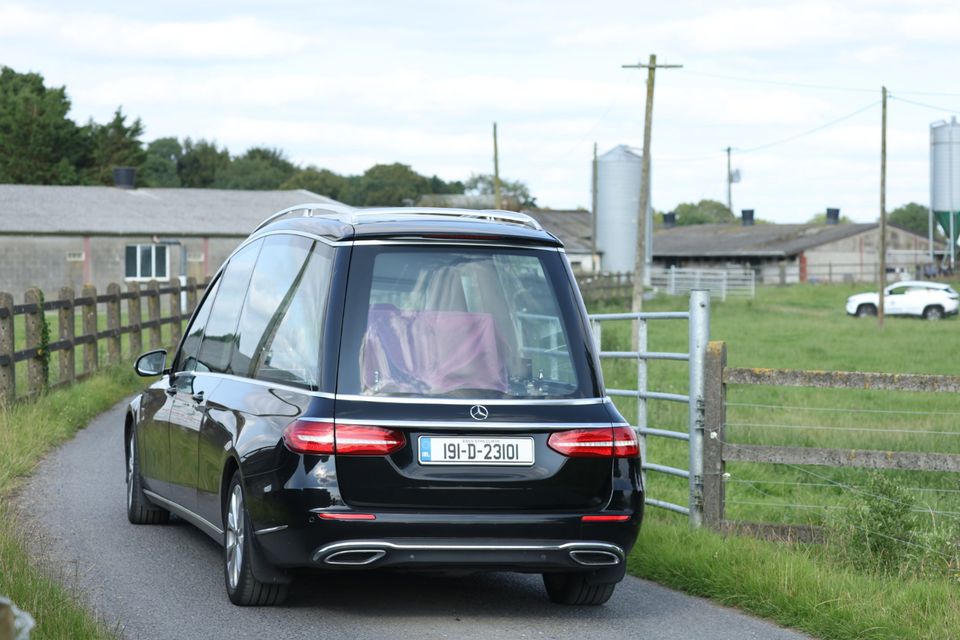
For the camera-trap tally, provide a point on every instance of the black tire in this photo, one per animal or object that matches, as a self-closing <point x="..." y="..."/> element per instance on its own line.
<point x="243" y="588"/>
<point x="933" y="312"/>
<point x="139" y="508"/>
<point x="866" y="311"/>
<point x="575" y="589"/>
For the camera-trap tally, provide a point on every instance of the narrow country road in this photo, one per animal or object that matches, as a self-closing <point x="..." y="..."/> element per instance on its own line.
<point x="159" y="582"/>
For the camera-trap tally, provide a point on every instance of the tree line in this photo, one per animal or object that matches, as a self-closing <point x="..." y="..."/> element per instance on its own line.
<point x="40" y="144"/>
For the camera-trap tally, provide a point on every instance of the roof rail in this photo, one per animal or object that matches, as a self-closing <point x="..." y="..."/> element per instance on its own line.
<point x="494" y="215"/>
<point x="352" y="215"/>
<point x="308" y="208"/>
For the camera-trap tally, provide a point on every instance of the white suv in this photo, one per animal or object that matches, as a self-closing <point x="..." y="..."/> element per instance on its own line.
<point x="930" y="300"/>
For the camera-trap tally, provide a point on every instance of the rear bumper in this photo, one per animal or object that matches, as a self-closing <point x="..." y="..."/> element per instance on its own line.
<point x="534" y="543"/>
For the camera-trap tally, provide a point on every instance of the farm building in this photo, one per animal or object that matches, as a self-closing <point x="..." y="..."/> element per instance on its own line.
<point x="55" y="236"/>
<point x="794" y="252"/>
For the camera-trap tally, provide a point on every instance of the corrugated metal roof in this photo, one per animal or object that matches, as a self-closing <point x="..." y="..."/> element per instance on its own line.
<point x="574" y="228"/>
<point x="107" y="210"/>
<point x="759" y="240"/>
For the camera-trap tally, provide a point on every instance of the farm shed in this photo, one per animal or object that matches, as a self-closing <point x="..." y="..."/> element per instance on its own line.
<point x="55" y="236"/>
<point x="793" y="253"/>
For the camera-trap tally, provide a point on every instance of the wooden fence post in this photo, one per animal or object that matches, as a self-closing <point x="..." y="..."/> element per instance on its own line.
<point x="133" y="317"/>
<point x="66" y="320"/>
<point x="36" y="373"/>
<point x="714" y="422"/>
<point x="176" y="322"/>
<point x="113" y="323"/>
<point x="191" y="295"/>
<point x="153" y="313"/>
<point x="91" y="351"/>
<point x="8" y="369"/>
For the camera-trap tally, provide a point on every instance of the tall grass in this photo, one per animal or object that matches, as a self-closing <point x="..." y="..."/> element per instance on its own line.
<point x="27" y="432"/>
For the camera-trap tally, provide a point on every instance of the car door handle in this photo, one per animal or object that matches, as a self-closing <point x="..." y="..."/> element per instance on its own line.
<point x="198" y="396"/>
<point x="171" y="391"/>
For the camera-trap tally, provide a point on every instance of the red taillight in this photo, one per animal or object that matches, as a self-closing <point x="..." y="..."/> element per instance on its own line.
<point x="617" y="442"/>
<point x="308" y="436"/>
<point x="359" y="440"/>
<point x="604" y="518"/>
<point x="325" y="438"/>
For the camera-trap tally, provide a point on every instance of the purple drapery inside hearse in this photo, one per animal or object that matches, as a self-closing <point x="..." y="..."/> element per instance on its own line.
<point x="430" y="353"/>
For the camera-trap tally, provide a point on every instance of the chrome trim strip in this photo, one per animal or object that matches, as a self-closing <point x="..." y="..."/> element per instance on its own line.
<point x="477" y="426"/>
<point x="198" y="521"/>
<point x="267" y="383"/>
<point x="365" y="545"/>
<point x="473" y="401"/>
<point x="447" y="242"/>
<point x="271" y="530"/>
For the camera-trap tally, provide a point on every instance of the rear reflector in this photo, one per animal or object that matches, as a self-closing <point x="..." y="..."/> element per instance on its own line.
<point x="346" y="516"/>
<point x="325" y="438"/>
<point x="616" y="442"/>
<point x="607" y="518"/>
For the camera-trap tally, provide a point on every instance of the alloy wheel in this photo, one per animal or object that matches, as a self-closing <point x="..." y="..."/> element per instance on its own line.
<point x="235" y="537"/>
<point x="130" y="473"/>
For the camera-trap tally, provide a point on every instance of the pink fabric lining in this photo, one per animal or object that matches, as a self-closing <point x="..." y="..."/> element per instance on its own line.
<point x="430" y="353"/>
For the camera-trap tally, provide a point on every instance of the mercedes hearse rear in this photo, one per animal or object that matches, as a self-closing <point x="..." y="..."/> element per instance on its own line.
<point x="458" y="421"/>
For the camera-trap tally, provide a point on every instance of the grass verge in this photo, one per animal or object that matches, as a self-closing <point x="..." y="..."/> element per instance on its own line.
<point x="794" y="585"/>
<point x="28" y="431"/>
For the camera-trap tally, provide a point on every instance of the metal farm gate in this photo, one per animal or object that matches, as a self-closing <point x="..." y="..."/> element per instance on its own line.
<point x="698" y="319"/>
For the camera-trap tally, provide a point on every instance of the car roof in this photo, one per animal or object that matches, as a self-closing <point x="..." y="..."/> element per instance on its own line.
<point x="340" y="222"/>
<point x="919" y="283"/>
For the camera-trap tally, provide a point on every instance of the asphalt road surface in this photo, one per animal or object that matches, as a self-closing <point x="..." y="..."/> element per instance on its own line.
<point x="158" y="582"/>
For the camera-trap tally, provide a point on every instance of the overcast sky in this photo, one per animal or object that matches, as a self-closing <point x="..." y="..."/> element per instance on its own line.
<point x="344" y="85"/>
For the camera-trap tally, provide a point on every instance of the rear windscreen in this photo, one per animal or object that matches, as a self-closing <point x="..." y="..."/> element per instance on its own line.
<point x="462" y="322"/>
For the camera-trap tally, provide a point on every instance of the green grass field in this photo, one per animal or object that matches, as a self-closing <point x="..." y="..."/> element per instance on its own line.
<point x="834" y="590"/>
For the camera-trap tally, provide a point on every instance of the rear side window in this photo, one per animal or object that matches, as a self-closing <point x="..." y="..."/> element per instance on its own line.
<point x="220" y="337"/>
<point x="462" y="322"/>
<point x="279" y="334"/>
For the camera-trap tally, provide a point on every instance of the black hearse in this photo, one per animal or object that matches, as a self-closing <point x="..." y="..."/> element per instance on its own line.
<point x="390" y="388"/>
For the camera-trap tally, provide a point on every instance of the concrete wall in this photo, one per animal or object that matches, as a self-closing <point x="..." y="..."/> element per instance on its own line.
<point x="42" y="261"/>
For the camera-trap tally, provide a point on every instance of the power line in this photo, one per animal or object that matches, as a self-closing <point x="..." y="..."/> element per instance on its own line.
<point x="922" y="104"/>
<point x="811" y="131"/>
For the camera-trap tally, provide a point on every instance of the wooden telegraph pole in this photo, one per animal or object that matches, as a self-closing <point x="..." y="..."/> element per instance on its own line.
<point x="883" y="208"/>
<point x="639" y="272"/>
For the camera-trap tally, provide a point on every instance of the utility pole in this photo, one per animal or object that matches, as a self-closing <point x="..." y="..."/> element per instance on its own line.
<point x="497" y="204"/>
<point x="593" y="218"/>
<point x="729" y="181"/>
<point x="639" y="272"/>
<point x="883" y="208"/>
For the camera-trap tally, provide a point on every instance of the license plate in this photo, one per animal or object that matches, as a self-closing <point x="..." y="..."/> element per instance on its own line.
<point x="476" y="451"/>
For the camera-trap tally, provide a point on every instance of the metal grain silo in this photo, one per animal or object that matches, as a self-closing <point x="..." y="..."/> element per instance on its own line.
<point x="945" y="177"/>
<point x="618" y="199"/>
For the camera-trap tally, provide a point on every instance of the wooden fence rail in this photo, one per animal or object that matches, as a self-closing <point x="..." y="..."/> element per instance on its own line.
<point x="717" y="452"/>
<point x="100" y="334"/>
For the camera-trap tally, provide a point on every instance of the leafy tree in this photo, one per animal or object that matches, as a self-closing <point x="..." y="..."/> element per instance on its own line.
<point x="437" y="185"/>
<point x="38" y="143"/>
<point x="201" y="162"/>
<point x="914" y="217"/>
<point x="703" y="212"/>
<point x="258" y="169"/>
<point x="821" y="218"/>
<point x="387" y="185"/>
<point x="160" y="167"/>
<point x="481" y="184"/>
<point x="114" y="144"/>
<point x="320" y="181"/>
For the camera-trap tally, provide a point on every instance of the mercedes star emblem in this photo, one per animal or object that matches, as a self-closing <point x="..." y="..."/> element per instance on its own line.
<point x="479" y="412"/>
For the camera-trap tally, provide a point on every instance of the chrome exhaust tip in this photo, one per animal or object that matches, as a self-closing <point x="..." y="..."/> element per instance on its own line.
<point x="594" y="558"/>
<point x="354" y="557"/>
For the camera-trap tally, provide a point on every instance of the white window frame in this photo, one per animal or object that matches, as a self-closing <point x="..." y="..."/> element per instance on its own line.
<point x="153" y="260"/>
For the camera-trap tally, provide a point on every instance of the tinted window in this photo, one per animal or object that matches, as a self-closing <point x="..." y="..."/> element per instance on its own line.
<point x="187" y="359"/>
<point x="462" y="322"/>
<point x="273" y="284"/>
<point x="290" y="348"/>
<point x="220" y="335"/>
